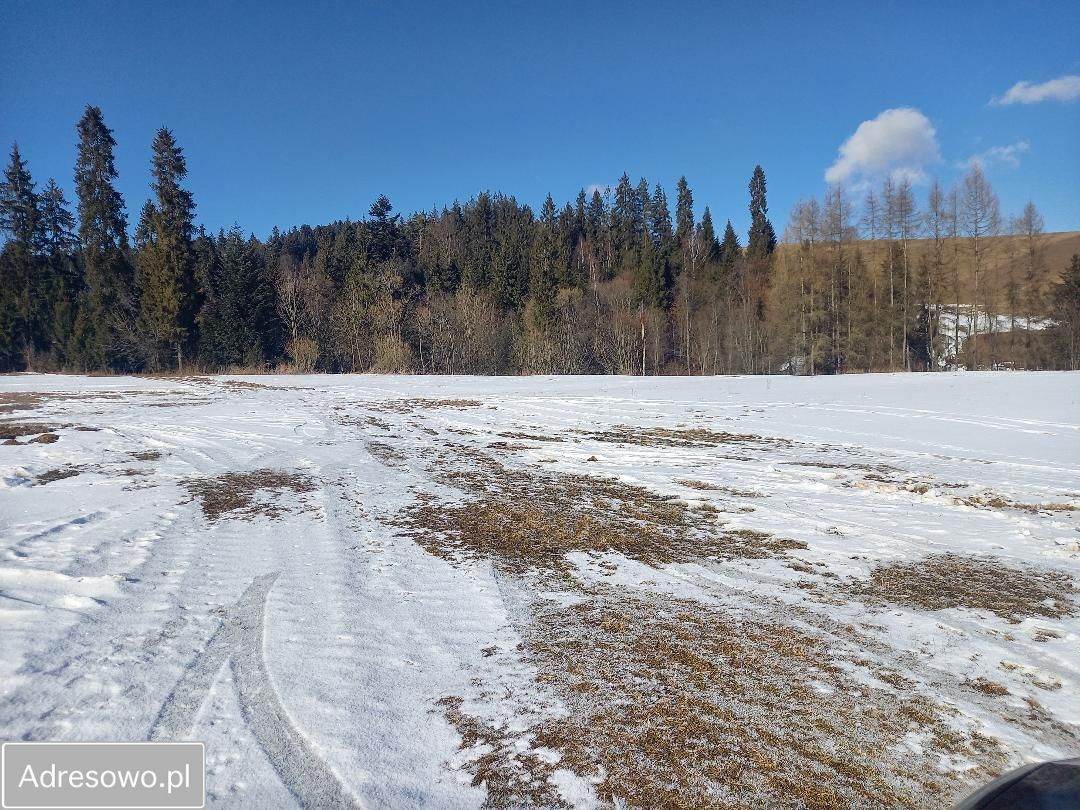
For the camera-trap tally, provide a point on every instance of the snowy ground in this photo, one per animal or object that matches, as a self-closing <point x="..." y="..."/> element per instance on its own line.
<point x="402" y="591"/>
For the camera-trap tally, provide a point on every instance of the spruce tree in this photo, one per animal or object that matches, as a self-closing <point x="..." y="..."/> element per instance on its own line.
<point x="642" y="209"/>
<point x="20" y="282"/>
<point x="106" y="325"/>
<point x="730" y="251"/>
<point x="653" y="281"/>
<point x="684" y="225"/>
<point x="64" y="283"/>
<point x="706" y="237"/>
<point x="239" y="321"/>
<point x="166" y="266"/>
<point x="762" y="239"/>
<point x="542" y="276"/>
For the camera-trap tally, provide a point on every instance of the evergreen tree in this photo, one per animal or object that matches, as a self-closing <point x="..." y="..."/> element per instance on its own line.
<point x="239" y="322"/>
<point x="660" y="219"/>
<point x="730" y="251"/>
<point x="20" y="291"/>
<point x="166" y="264"/>
<point x="642" y="212"/>
<point x="684" y="226"/>
<point x="706" y="238"/>
<point x="385" y="232"/>
<point x="542" y="277"/>
<point x="57" y="224"/>
<point x="762" y="239"/>
<point x="653" y="280"/>
<point x="106" y="325"/>
<point x="63" y="276"/>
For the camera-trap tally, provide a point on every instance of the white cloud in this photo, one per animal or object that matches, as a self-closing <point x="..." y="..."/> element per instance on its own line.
<point x="900" y="142"/>
<point x="1008" y="155"/>
<point x="603" y="188"/>
<point x="1063" y="88"/>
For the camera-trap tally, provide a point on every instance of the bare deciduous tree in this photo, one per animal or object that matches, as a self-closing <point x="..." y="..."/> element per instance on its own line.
<point x="980" y="217"/>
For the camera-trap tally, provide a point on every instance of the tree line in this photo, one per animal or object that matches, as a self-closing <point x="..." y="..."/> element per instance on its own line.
<point x="608" y="283"/>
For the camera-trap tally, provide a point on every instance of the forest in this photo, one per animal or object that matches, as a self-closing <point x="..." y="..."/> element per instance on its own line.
<point x="609" y="283"/>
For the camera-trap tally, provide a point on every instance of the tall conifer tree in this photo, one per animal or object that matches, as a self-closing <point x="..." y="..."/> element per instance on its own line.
<point x="166" y="266"/>
<point x="62" y="274"/>
<point x="106" y="327"/>
<point x="762" y="240"/>
<point x="20" y="282"/>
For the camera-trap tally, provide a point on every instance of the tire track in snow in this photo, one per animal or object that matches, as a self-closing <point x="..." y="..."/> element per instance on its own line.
<point x="239" y="640"/>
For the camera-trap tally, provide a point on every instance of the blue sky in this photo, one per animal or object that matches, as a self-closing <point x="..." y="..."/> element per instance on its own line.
<point x="304" y="113"/>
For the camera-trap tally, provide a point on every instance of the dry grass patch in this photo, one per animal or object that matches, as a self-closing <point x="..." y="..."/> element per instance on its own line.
<point x="511" y="776"/>
<point x="235" y="494"/>
<point x="147" y="455"/>
<point x="674" y="704"/>
<point x="991" y="500"/>
<point x="423" y="404"/>
<point x="683" y="437"/>
<point x="21" y="401"/>
<point x="59" y="474"/>
<point x="943" y="581"/>
<point x="534" y="437"/>
<point x="248" y="385"/>
<point x="509" y="446"/>
<point x="986" y="686"/>
<point x="387" y="454"/>
<point x="525" y="519"/>
<point x="705" y="486"/>
<point x="827" y="465"/>
<point x="13" y="430"/>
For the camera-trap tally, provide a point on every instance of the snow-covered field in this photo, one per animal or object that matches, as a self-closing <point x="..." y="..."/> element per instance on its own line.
<point x="403" y="591"/>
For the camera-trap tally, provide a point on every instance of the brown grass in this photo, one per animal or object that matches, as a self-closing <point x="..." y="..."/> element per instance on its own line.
<point x="387" y="454"/>
<point x="13" y="430"/>
<point x="991" y="500"/>
<point x="423" y="404"/>
<point x="705" y="486"/>
<point x="233" y="495"/>
<point x="58" y="474"/>
<point x="523" y="520"/>
<point x="826" y="465"/>
<point x="509" y="446"/>
<point x="511" y="776"/>
<point x="944" y="581"/>
<point x="534" y="437"/>
<point x="147" y="455"/>
<point x="986" y="686"/>
<point x="21" y="401"/>
<point x="679" y="705"/>
<point x="45" y="438"/>
<point x="682" y="437"/>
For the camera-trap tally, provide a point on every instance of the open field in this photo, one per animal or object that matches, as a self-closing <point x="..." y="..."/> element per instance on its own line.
<point x="375" y="591"/>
